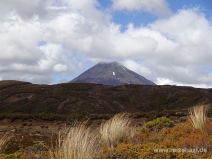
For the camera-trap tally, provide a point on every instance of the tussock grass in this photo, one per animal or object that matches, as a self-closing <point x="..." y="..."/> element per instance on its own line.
<point x="78" y="142"/>
<point x="198" y="116"/>
<point x="114" y="130"/>
<point x="3" y="140"/>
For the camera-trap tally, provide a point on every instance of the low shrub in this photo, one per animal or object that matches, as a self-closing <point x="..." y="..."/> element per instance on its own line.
<point x="159" y="123"/>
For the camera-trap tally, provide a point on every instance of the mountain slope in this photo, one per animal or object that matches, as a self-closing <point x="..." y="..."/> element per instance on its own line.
<point x="111" y="74"/>
<point x="80" y="99"/>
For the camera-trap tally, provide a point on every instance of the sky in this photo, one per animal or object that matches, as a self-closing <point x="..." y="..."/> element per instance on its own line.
<point x="53" y="41"/>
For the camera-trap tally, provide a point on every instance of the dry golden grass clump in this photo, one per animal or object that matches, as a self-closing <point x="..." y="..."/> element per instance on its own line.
<point x="114" y="130"/>
<point x="78" y="142"/>
<point x="198" y="116"/>
<point x="3" y="140"/>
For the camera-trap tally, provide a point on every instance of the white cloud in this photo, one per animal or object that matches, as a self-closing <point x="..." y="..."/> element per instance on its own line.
<point x="60" y="68"/>
<point x="15" y="34"/>
<point x="24" y="8"/>
<point x="177" y="48"/>
<point x="157" y="7"/>
<point x="139" y="68"/>
<point x="165" y="81"/>
<point x="22" y="57"/>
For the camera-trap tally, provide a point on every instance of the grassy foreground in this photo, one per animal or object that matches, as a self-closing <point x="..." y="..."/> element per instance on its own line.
<point x="118" y="138"/>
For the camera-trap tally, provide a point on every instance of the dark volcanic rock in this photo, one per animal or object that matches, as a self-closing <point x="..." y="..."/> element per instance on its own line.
<point x="111" y="74"/>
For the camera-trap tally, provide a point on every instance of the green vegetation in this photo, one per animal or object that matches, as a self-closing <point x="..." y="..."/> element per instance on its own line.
<point x="15" y="155"/>
<point x="159" y="123"/>
<point x="162" y="134"/>
<point x="118" y="138"/>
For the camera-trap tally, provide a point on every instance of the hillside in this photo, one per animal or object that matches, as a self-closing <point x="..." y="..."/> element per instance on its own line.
<point x="81" y="99"/>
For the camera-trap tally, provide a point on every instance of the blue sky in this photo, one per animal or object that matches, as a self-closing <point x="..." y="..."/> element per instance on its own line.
<point x="142" y="18"/>
<point x="53" y="41"/>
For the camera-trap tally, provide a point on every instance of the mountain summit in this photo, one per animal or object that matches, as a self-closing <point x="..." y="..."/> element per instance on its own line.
<point x="111" y="74"/>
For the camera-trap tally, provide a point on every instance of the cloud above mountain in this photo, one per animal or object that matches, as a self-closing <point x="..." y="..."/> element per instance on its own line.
<point x="50" y="41"/>
<point x="157" y="7"/>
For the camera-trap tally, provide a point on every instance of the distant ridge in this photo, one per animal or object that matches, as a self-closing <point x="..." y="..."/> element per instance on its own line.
<point x="22" y="99"/>
<point x="112" y="73"/>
